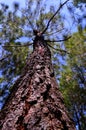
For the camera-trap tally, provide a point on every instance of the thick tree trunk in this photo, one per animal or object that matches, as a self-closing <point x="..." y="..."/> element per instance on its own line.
<point x="36" y="102"/>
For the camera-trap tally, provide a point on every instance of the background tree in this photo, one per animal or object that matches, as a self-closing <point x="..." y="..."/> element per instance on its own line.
<point x="73" y="81"/>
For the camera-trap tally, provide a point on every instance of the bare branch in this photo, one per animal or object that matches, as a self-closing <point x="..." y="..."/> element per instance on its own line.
<point x="59" y="40"/>
<point x="58" y="49"/>
<point x="5" y="57"/>
<point x="18" y="45"/>
<point x="32" y="27"/>
<point x="61" y="5"/>
<point x="54" y="32"/>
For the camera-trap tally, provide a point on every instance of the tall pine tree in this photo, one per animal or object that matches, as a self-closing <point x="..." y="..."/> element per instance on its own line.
<point x="35" y="101"/>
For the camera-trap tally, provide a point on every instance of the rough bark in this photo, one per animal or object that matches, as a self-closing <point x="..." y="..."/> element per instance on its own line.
<point x="36" y="102"/>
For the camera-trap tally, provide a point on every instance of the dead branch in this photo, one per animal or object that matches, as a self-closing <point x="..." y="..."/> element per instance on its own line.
<point x="18" y="45"/>
<point x="61" y="5"/>
<point x="5" y="57"/>
<point x="58" y="49"/>
<point x="54" y="32"/>
<point x="59" y="40"/>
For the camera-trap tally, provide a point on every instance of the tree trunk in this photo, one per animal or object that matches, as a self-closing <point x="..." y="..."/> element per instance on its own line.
<point x="36" y="102"/>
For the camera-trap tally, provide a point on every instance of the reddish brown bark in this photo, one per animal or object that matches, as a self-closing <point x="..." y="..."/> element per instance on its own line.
<point x="36" y="102"/>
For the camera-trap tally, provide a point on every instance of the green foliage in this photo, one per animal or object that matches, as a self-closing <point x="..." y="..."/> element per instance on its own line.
<point x="76" y="2"/>
<point x="73" y="78"/>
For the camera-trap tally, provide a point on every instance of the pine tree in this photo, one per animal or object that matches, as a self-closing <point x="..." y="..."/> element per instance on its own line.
<point x="36" y="102"/>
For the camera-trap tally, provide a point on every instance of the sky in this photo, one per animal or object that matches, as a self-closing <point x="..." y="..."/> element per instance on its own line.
<point x="10" y="2"/>
<point x="22" y="2"/>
